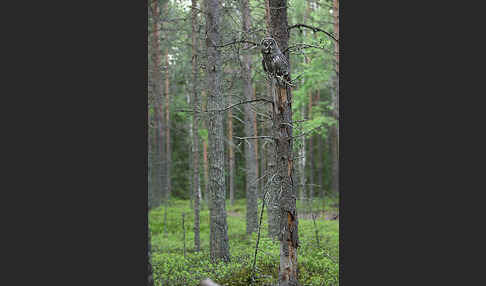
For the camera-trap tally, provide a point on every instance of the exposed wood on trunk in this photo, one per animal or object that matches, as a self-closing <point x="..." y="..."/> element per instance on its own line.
<point x="289" y="241"/>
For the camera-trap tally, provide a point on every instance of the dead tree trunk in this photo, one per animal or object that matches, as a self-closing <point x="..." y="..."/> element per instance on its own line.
<point x="219" y="246"/>
<point x="282" y="120"/>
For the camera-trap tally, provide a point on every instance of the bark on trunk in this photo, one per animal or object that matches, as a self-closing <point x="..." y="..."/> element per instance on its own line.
<point x="334" y="134"/>
<point x="311" y="155"/>
<point x="219" y="246"/>
<point x="250" y="144"/>
<point x="167" y="125"/>
<point x="158" y="105"/>
<point x="272" y="184"/>
<point x="195" y="129"/>
<point x="205" y="153"/>
<point x="255" y="130"/>
<point x="289" y="241"/>
<point x="231" y="156"/>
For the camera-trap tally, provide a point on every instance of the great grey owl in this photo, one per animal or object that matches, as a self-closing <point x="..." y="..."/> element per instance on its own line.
<point x="274" y="61"/>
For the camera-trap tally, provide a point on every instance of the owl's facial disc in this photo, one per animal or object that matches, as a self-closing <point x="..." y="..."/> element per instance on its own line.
<point x="266" y="47"/>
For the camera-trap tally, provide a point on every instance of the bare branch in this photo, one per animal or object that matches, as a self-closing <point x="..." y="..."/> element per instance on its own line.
<point x="237" y="42"/>
<point x="254" y="137"/>
<point x="315" y="29"/>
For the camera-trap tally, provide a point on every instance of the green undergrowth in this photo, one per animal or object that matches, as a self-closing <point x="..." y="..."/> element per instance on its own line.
<point x="317" y="265"/>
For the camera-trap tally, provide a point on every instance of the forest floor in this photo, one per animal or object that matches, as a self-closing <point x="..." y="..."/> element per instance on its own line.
<point x="317" y="264"/>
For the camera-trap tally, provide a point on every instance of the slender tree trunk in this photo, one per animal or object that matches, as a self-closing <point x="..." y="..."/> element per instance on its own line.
<point x="272" y="180"/>
<point x="255" y="141"/>
<point x="320" y="165"/>
<point x="158" y="158"/>
<point x="334" y="132"/>
<point x="219" y="246"/>
<point x="289" y="241"/>
<point x="206" y="171"/>
<point x="195" y="122"/>
<point x="302" y="157"/>
<point x="250" y="144"/>
<point x="205" y="154"/>
<point x="311" y="155"/>
<point x="167" y="124"/>
<point x="231" y="155"/>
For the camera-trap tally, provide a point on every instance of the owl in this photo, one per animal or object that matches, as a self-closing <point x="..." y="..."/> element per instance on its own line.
<point x="274" y="61"/>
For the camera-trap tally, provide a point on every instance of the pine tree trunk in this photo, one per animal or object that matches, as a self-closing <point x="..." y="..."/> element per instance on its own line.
<point x="161" y="159"/>
<point x="311" y="155"/>
<point x="272" y="184"/>
<point x="255" y="130"/>
<point x="205" y="153"/>
<point x="289" y="241"/>
<point x="150" y="164"/>
<point x="231" y="156"/>
<point x="334" y="132"/>
<point x="168" y="149"/>
<point x="320" y="166"/>
<point x="250" y="144"/>
<point x="302" y="159"/>
<point x="219" y="246"/>
<point x="195" y="129"/>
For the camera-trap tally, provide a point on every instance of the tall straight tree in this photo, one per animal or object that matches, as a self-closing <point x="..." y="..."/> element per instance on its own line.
<point x="205" y="151"/>
<point x="195" y="129"/>
<point x="282" y="124"/>
<point x="167" y="115"/>
<point x="334" y="130"/>
<point x="219" y="246"/>
<point x="272" y="184"/>
<point x="231" y="156"/>
<point x="250" y="144"/>
<point x="158" y="104"/>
